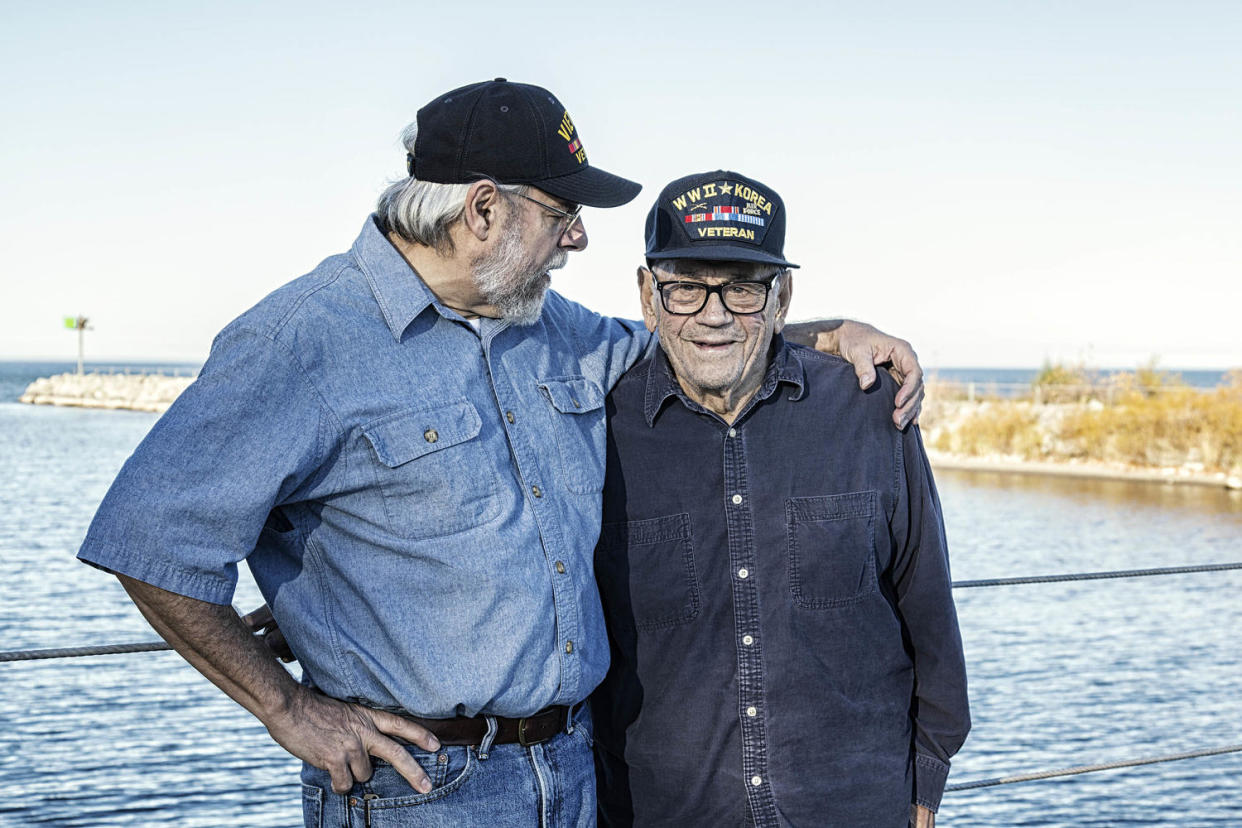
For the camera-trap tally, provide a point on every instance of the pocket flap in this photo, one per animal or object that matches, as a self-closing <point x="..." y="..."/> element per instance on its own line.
<point x="831" y="507"/>
<point x="573" y="395"/>
<point x="647" y="532"/>
<point x="407" y="435"/>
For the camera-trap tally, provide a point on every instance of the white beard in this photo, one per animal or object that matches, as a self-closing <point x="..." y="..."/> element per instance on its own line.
<point x="510" y="281"/>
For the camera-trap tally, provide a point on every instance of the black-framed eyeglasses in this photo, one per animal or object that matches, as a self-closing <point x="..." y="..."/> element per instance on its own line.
<point x="688" y="298"/>
<point x="568" y="216"/>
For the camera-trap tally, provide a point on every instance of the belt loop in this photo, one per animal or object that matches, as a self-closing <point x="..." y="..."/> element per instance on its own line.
<point x="486" y="745"/>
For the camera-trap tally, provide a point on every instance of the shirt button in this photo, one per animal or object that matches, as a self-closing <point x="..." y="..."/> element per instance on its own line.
<point x="756" y="781"/>
<point x="575" y="402"/>
<point x="733" y="432"/>
<point x="560" y="567"/>
<point x="737" y="499"/>
<point x="509" y="416"/>
<point x="748" y="640"/>
<point x="536" y="491"/>
<point x="743" y="573"/>
<point x="569" y="646"/>
<point x="430" y="435"/>
<point x="752" y="712"/>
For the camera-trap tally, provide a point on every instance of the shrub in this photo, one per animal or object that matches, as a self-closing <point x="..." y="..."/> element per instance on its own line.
<point x="1155" y="420"/>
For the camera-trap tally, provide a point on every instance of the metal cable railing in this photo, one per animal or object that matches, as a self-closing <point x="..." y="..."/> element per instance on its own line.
<point x="73" y="652"/>
<point x="155" y="646"/>
<point x="1096" y="576"/>
<point x="1128" y="763"/>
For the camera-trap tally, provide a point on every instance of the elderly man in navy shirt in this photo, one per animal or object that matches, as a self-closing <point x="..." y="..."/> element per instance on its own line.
<point x="785" y="648"/>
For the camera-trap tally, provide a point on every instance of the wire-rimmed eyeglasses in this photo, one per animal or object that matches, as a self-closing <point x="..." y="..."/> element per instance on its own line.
<point x="567" y="216"/>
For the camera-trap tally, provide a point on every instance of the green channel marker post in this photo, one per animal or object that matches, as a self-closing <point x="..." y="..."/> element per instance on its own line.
<point x="78" y="324"/>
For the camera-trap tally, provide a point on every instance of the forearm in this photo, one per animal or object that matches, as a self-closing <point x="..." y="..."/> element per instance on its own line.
<point x="336" y="736"/>
<point x="217" y="644"/>
<point x="821" y="334"/>
<point x="922" y="817"/>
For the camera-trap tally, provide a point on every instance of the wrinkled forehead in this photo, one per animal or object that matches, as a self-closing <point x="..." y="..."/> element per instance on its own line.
<point x="713" y="271"/>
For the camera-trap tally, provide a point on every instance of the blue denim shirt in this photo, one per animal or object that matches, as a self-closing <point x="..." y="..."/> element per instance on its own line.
<point x="418" y="502"/>
<point x="785" y="645"/>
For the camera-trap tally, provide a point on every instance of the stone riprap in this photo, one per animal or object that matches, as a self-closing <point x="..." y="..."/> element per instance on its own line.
<point x="132" y="392"/>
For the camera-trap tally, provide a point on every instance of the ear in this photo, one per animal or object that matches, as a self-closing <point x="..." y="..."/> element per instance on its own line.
<point x="646" y="295"/>
<point x="481" y="214"/>
<point x="783" y="295"/>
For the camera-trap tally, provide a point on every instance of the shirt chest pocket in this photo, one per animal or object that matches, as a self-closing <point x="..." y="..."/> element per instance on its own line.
<point x="831" y="547"/>
<point x="579" y="431"/>
<point x="646" y="571"/>
<point x="433" y="471"/>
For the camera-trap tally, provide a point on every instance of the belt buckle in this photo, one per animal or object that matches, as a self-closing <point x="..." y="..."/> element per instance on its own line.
<point x="522" y="733"/>
<point x="522" y="740"/>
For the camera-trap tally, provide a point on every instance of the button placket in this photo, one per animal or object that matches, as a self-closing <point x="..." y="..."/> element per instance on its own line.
<point x="530" y="464"/>
<point x="742" y="558"/>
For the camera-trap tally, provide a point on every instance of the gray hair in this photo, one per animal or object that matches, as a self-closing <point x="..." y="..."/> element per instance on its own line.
<point x="423" y="212"/>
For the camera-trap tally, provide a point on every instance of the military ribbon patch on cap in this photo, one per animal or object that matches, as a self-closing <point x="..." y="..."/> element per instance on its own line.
<point x="723" y="201"/>
<point x="566" y="131"/>
<point x="724" y="212"/>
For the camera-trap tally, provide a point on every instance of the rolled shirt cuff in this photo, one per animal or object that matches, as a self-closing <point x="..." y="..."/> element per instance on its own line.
<point x="930" y="775"/>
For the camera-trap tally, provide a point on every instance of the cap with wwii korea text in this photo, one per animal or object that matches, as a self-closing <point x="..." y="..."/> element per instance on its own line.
<point x="718" y="216"/>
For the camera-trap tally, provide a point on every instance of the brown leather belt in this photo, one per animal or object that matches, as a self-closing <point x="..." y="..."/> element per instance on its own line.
<point x="470" y="730"/>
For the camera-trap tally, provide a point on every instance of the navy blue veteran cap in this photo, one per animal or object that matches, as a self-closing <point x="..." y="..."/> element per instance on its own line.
<point x="718" y="216"/>
<point x="514" y="133"/>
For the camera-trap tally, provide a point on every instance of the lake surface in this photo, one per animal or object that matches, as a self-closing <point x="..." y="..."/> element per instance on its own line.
<point x="1061" y="674"/>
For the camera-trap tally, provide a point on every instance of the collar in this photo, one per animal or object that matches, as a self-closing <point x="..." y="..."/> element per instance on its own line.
<point x="662" y="383"/>
<point x="399" y="290"/>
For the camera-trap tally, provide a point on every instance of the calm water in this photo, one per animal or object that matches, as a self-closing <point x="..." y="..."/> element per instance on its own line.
<point x="1024" y="376"/>
<point x="1061" y="674"/>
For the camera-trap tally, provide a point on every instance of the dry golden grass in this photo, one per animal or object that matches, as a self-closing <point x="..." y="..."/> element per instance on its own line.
<point x="1176" y="427"/>
<point x="1010" y="428"/>
<point x="1153" y="419"/>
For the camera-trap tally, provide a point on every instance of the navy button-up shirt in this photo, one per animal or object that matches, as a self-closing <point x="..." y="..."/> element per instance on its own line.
<point x="418" y="502"/>
<point x="785" y="645"/>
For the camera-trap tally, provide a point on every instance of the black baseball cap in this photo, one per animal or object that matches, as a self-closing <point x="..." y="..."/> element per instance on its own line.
<point x="718" y="216"/>
<point x="515" y="133"/>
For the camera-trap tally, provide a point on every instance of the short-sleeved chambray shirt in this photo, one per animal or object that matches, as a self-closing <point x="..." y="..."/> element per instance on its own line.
<point x="418" y="500"/>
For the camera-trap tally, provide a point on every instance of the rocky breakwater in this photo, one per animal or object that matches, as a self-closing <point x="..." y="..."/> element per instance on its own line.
<point x="1181" y="435"/>
<point x="131" y="392"/>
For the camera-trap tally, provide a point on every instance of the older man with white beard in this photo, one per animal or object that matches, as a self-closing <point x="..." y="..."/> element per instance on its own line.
<point x="407" y="447"/>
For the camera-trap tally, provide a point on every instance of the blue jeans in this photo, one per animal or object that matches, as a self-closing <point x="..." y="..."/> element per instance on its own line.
<point x="551" y="784"/>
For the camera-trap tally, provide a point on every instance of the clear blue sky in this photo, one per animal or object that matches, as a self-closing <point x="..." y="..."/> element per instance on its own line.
<point x="998" y="182"/>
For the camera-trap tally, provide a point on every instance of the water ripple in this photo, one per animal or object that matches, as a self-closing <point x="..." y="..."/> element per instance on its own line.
<point x="1061" y="674"/>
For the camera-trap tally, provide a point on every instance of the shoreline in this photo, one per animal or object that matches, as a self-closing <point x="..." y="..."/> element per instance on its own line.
<point x="1167" y="475"/>
<point x="156" y="392"/>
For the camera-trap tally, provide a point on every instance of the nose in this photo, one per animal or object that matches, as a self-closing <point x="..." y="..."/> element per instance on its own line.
<point x="714" y="312"/>
<point x="575" y="235"/>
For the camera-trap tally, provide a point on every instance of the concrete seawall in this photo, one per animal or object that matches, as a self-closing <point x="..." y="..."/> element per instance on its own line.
<point x="131" y="392"/>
